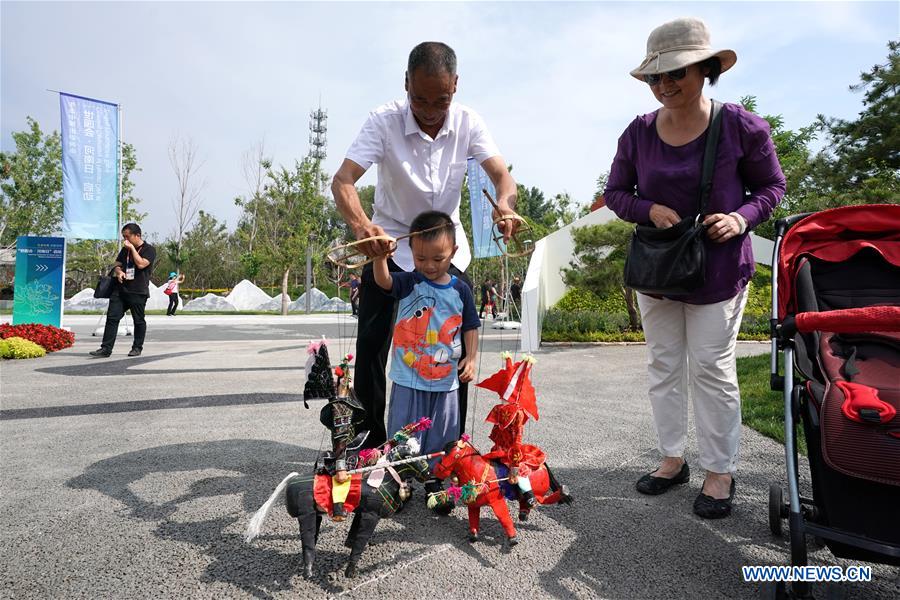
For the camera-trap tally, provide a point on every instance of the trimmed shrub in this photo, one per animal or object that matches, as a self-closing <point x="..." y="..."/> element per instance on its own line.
<point x="578" y="299"/>
<point x="582" y="316"/>
<point x="47" y="336"/>
<point x="16" y="347"/>
<point x="584" y="321"/>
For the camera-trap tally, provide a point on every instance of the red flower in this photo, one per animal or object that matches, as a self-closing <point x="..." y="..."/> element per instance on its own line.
<point x="49" y="337"/>
<point x="339" y="371"/>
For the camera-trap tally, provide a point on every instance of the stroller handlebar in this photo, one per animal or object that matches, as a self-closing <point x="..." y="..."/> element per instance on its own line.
<point x="851" y="320"/>
<point x="785" y="223"/>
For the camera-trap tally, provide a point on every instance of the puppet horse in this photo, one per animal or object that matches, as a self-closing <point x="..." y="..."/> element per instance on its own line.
<point x="308" y="500"/>
<point x="468" y="465"/>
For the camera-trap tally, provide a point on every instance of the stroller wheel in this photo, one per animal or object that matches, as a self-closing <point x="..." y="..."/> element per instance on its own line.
<point x="776" y="501"/>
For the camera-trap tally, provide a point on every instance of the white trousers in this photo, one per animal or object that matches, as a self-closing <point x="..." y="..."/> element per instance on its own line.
<point x="693" y="346"/>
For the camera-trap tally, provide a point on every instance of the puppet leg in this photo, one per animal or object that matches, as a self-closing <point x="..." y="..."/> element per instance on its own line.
<point x="474" y="519"/>
<point x="526" y="498"/>
<point x="560" y="493"/>
<point x="354" y="529"/>
<point x="309" y="533"/>
<point x="367" y="523"/>
<point x="502" y="512"/>
<point x="300" y="504"/>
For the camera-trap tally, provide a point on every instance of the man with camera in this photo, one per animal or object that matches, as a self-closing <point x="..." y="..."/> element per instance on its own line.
<point x="130" y="292"/>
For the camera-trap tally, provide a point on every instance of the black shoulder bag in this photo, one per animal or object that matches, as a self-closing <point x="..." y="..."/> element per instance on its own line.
<point x="104" y="287"/>
<point x="672" y="261"/>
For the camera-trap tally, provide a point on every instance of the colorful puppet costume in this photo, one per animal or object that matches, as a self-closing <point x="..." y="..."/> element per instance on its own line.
<point x="513" y="384"/>
<point x="342" y="416"/>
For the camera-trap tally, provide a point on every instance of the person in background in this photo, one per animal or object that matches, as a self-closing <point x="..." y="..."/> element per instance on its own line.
<point x="354" y="293"/>
<point x="515" y="293"/>
<point x="134" y="264"/>
<point x="488" y="299"/>
<point x="171" y="290"/>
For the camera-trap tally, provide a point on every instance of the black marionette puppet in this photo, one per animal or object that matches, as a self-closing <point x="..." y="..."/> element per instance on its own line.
<point x="342" y="416"/>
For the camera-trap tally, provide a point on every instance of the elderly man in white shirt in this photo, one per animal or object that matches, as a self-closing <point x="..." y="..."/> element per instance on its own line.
<point x="421" y="146"/>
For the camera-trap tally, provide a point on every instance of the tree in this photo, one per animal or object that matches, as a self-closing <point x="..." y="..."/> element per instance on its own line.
<point x="207" y="246"/>
<point x="293" y="214"/>
<point x="599" y="264"/>
<point x="366" y="195"/>
<point x="186" y="164"/>
<point x="32" y="201"/>
<point x="860" y="161"/>
<point x="872" y="141"/>
<point x="31" y="188"/>
<point x="255" y="165"/>
<point x="804" y="190"/>
<point x="546" y="215"/>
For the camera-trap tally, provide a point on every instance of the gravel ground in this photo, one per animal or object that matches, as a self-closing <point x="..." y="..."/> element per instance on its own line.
<point x="135" y="478"/>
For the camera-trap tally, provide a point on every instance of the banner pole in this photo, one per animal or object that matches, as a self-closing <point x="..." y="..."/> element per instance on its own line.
<point x="121" y="167"/>
<point x="121" y="220"/>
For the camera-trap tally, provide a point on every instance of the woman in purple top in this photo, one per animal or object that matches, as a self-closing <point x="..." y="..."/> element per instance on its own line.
<point x="655" y="178"/>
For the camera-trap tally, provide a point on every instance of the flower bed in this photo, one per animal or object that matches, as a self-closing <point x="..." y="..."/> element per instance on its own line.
<point x="47" y="336"/>
<point x="16" y="347"/>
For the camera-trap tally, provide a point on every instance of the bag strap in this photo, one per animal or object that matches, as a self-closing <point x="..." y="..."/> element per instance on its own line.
<point x="709" y="155"/>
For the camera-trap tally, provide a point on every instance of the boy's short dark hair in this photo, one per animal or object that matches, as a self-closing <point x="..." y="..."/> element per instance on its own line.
<point x="134" y="228"/>
<point x="435" y="224"/>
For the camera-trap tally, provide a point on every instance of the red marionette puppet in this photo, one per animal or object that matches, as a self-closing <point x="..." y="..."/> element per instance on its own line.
<point x="513" y="384"/>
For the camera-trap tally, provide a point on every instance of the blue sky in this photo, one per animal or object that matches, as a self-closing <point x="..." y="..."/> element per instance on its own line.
<point x="550" y="78"/>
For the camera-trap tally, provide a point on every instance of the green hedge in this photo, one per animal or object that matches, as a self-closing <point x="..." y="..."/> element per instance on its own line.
<point x="582" y="316"/>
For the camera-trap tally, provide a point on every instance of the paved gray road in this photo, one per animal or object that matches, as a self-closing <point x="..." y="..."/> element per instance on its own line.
<point x="135" y="478"/>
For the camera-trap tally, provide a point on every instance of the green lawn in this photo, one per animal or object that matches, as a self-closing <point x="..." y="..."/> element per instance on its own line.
<point x="762" y="409"/>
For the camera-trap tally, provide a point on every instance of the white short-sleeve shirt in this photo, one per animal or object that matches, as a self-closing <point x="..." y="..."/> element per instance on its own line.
<point x="417" y="173"/>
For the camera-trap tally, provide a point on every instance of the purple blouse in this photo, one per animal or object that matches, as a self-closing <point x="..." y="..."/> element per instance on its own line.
<point x="747" y="180"/>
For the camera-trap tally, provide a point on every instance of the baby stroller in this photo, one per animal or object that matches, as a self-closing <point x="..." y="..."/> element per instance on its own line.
<point x="836" y="318"/>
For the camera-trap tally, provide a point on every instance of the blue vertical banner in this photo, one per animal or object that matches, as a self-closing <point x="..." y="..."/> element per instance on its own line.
<point x="483" y="228"/>
<point x="40" y="272"/>
<point x="90" y="167"/>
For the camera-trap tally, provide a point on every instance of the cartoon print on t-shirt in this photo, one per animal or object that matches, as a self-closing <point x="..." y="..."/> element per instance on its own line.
<point x="424" y="349"/>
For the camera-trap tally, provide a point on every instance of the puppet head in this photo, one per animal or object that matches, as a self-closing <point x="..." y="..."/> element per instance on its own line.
<point x="319" y="378"/>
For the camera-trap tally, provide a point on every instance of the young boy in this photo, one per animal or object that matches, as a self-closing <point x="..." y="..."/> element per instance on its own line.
<point x="434" y="310"/>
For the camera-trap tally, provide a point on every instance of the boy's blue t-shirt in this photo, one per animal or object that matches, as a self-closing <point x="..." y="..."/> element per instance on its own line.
<point x="428" y="331"/>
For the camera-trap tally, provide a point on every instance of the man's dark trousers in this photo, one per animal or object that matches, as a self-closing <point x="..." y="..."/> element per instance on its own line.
<point x="119" y="302"/>
<point x="373" y="342"/>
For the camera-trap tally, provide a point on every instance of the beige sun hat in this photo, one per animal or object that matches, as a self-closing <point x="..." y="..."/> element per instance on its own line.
<point x="677" y="44"/>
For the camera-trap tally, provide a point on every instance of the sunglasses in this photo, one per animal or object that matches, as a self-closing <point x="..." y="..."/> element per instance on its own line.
<point x="676" y="75"/>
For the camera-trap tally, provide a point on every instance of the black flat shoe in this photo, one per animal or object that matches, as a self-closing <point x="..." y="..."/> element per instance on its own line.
<point x="708" y="507"/>
<point x="101" y="353"/>
<point x="134" y="352"/>
<point x="653" y="486"/>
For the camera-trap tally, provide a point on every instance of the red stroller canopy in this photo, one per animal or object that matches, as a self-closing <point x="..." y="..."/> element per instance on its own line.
<point x="835" y="235"/>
